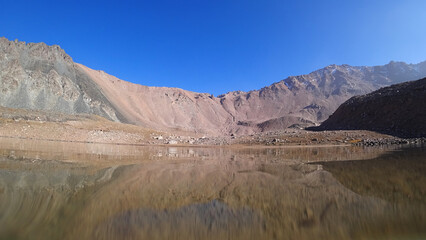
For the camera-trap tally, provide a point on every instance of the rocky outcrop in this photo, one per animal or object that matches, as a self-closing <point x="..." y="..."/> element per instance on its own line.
<point x="42" y="77"/>
<point x="397" y="110"/>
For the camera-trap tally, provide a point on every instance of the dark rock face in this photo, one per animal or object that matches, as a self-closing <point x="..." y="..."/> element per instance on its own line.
<point x="398" y="110"/>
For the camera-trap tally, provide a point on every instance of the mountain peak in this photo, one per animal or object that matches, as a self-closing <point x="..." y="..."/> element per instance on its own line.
<point x="40" y="50"/>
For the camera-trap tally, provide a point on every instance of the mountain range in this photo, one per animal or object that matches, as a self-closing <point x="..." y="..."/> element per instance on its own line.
<point x="41" y="77"/>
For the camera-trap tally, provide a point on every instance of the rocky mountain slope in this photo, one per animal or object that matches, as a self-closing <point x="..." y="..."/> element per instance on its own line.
<point x="313" y="97"/>
<point x="398" y="110"/>
<point x="41" y="77"/>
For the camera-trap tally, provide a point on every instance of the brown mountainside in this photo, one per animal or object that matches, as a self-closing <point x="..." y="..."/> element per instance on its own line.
<point x="42" y="77"/>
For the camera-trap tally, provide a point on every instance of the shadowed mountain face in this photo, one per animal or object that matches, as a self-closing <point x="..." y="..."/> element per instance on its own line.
<point x="37" y="76"/>
<point x="398" y="110"/>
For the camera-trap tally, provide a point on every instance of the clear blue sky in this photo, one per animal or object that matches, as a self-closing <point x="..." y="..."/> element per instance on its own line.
<point x="221" y="45"/>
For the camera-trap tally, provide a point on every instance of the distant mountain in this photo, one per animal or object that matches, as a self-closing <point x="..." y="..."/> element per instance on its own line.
<point x="38" y="76"/>
<point x="315" y="96"/>
<point x="397" y="110"/>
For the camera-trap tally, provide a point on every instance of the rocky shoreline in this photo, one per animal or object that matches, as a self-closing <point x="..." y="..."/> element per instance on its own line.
<point x="396" y="141"/>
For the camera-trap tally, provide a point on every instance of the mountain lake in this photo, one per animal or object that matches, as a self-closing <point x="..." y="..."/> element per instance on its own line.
<point x="64" y="190"/>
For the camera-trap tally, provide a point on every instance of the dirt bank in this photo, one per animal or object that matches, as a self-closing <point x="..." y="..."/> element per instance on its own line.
<point x="30" y="124"/>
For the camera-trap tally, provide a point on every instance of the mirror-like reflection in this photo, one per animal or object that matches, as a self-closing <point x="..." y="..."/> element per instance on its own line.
<point x="397" y="177"/>
<point x="51" y="190"/>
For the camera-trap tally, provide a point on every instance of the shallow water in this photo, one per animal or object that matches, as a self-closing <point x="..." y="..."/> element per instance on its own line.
<point x="53" y="190"/>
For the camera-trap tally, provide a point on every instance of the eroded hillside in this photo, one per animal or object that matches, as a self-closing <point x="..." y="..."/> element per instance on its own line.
<point x="41" y="77"/>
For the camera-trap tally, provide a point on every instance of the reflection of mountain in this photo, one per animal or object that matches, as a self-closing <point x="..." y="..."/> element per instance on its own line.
<point x="210" y="220"/>
<point x="33" y="193"/>
<point x="212" y="193"/>
<point x="406" y="183"/>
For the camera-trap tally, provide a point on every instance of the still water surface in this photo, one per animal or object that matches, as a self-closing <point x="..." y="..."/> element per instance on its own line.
<point x="52" y="190"/>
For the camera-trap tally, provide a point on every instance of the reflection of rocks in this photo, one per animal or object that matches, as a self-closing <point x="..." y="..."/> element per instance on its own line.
<point x="86" y="152"/>
<point x="33" y="192"/>
<point x="211" y="220"/>
<point x="372" y="178"/>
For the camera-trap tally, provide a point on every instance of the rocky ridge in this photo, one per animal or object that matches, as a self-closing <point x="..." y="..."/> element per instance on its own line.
<point x="41" y="77"/>
<point x="397" y="110"/>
